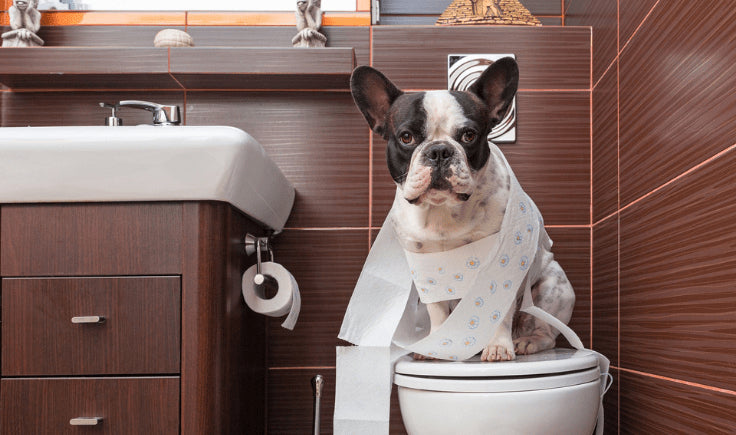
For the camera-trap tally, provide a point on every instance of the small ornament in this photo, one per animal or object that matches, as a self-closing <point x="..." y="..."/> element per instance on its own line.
<point x="308" y="23"/>
<point x="504" y="12"/>
<point x="25" y="21"/>
<point x="173" y="38"/>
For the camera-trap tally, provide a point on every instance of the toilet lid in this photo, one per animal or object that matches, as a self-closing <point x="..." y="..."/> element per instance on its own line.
<point x="553" y="368"/>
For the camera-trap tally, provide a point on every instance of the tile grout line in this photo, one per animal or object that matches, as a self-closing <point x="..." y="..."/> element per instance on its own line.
<point x="677" y="381"/>
<point x="620" y="49"/>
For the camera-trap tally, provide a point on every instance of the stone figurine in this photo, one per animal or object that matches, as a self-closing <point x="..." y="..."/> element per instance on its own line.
<point x="308" y="23"/>
<point x="486" y="8"/>
<point x="25" y="20"/>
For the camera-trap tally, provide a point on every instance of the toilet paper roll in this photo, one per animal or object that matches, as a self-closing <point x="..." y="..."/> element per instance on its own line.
<point x="287" y="299"/>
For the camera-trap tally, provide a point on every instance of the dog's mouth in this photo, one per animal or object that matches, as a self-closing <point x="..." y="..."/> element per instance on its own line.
<point x="439" y="197"/>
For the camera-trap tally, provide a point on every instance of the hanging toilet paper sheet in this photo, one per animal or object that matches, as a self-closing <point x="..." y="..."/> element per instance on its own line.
<point x="287" y="299"/>
<point x="385" y="320"/>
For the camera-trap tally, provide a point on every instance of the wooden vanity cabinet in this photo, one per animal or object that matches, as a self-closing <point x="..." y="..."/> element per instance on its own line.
<point x="161" y="340"/>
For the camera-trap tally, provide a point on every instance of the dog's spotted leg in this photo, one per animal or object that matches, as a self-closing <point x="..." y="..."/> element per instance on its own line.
<point x="554" y="294"/>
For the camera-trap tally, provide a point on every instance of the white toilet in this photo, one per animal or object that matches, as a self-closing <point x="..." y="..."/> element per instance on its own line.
<point x="552" y="392"/>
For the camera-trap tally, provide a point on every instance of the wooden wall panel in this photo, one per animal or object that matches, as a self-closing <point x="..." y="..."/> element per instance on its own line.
<point x="605" y="146"/>
<point x="602" y="16"/>
<point x="678" y="82"/>
<point x="678" y="267"/>
<point x="549" y="57"/>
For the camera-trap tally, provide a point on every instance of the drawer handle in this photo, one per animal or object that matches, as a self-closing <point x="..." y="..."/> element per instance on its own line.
<point x="85" y="421"/>
<point x="88" y="319"/>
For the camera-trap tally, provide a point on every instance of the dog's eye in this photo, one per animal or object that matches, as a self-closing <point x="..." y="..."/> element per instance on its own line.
<point x="469" y="136"/>
<point x="406" y="138"/>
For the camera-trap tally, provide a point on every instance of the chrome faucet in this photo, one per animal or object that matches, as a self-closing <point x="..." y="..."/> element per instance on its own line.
<point x="162" y="114"/>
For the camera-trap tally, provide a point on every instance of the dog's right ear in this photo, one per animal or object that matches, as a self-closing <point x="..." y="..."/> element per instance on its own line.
<point x="373" y="94"/>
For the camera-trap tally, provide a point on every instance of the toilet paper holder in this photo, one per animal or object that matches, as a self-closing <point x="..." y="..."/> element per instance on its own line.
<point x="254" y="245"/>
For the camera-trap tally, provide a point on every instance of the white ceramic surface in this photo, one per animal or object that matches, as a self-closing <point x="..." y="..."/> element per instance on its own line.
<point x="143" y="163"/>
<point x="552" y="392"/>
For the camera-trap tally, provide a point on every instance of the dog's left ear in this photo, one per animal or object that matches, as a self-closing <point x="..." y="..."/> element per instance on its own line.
<point x="497" y="86"/>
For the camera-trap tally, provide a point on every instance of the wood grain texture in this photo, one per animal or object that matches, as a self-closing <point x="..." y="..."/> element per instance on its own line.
<point x="39" y="109"/>
<point x="602" y="16"/>
<point x="572" y="251"/>
<point x="677" y="273"/>
<point x="631" y="15"/>
<point x="101" y="36"/>
<point x="86" y="68"/>
<point x="678" y="90"/>
<point x="319" y="140"/>
<point x="92" y="239"/>
<point x="548" y="57"/>
<point x="605" y="288"/>
<point x="223" y="345"/>
<point x="650" y="405"/>
<point x="605" y="146"/>
<point x="551" y="158"/>
<point x="126" y="405"/>
<point x="326" y="264"/>
<point x="257" y="68"/>
<point x="357" y="38"/>
<point x="140" y="333"/>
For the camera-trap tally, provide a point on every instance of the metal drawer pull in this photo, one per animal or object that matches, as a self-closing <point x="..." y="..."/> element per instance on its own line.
<point x="85" y="421"/>
<point x="88" y="319"/>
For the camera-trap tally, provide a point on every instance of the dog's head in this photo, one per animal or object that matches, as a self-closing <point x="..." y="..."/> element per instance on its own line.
<point x="437" y="140"/>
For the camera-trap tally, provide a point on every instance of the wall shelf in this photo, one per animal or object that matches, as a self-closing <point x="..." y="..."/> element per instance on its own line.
<point x="96" y="68"/>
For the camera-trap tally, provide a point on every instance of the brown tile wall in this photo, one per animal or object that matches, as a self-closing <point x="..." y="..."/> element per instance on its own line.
<point x="664" y="148"/>
<point x="321" y="142"/>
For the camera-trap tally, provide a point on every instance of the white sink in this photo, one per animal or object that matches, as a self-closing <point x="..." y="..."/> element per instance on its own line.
<point x="92" y="164"/>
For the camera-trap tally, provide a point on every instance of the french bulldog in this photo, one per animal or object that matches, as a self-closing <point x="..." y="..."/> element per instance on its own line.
<point x="452" y="191"/>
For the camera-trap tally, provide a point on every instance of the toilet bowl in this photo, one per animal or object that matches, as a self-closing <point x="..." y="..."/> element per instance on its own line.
<point x="552" y="392"/>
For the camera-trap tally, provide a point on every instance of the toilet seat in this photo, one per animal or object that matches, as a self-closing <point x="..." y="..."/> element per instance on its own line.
<point x="554" y="368"/>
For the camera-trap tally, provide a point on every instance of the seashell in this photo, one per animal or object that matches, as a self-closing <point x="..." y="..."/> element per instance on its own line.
<point x="173" y="38"/>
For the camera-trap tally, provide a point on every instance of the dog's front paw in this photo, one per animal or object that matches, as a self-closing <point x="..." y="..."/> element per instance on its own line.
<point x="533" y="344"/>
<point x="498" y="351"/>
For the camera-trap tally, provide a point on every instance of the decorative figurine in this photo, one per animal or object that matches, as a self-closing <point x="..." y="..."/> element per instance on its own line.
<point x="25" y="20"/>
<point x="485" y="12"/>
<point x="173" y="38"/>
<point x="308" y="23"/>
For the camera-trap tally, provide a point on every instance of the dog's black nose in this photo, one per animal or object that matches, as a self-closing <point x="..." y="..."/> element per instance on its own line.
<point x="438" y="153"/>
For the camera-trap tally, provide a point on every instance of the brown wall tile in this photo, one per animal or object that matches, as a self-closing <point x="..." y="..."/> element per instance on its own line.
<point x="650" y="405"/>
<point x="631" y="15"/>
<point x="605" y="288"/>
<point x="549" y="57"/>
<point x="38" y="109"/>
<point x="326" y="265"/>
<point x="551" y="158"/>
<point x="677" y="93"/>
<point x="317" y="139"/>
<point x="267" y="36"/>
<point x="101" y="36"/>
<point x="678" y="267"/>
<point x="605" y="146"/>
<point x="572" y="251"/>
<point x="602" y="15"/>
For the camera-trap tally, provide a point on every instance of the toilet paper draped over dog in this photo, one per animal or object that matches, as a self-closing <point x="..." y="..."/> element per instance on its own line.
<point x="485" y="275"/>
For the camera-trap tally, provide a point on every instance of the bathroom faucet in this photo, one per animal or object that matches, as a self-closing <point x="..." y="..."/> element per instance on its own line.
<point x="162" y="114"/>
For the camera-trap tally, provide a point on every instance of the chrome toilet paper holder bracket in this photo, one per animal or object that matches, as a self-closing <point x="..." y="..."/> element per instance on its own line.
<point x="255" y="245"/>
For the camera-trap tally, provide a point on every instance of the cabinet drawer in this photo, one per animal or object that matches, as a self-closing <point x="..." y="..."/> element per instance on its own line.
<point x="91" y="239"/>
<point x="125" y="405"/>
<point x="140" y="332"/>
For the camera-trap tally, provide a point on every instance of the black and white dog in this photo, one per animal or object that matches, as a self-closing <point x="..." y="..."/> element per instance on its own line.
<point x="452" y="191"/>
